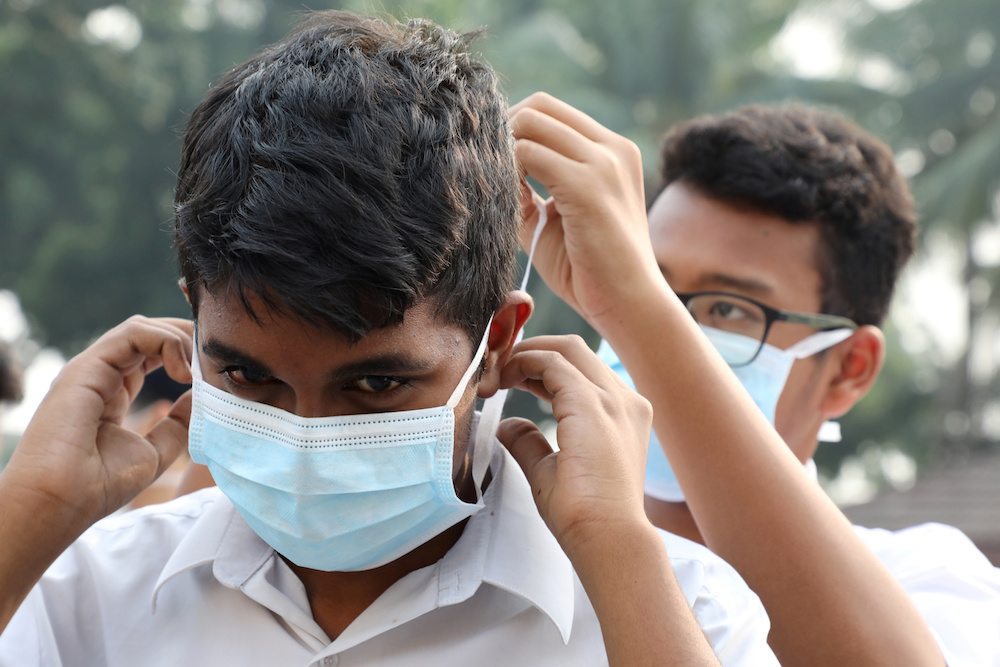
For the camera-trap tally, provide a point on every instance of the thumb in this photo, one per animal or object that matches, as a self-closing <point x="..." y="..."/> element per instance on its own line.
<point x="526" y="444"/>
<point x="170" y="435"/>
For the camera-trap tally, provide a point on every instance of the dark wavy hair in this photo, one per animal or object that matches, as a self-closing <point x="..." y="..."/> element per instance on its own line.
<point x="350" y="171"/>
<point x="807" y="165"/>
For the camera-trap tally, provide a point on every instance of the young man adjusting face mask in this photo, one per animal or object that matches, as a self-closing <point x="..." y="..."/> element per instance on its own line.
<point x="358" y="490"/>
<point x="780" y="263"/>
<point x="783" y="230"/>
<point x="337" y="363"/>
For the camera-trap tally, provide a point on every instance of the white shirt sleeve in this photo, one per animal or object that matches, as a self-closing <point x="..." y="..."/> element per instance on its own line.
<point x="729" y="613"/>
<point x="952" y="584"/>
<point x="21" y="643"/>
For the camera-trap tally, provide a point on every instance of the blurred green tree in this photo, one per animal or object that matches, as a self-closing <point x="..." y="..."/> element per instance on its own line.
<point x="95" y="96"/>
<point x="935" y="62"/>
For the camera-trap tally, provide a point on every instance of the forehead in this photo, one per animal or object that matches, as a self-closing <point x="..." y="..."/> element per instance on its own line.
<point x="277" y="336"/>
<point x="705" y="244"/>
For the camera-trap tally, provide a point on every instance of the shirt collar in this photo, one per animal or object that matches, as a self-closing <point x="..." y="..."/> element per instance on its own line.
<point x="219" y="537"/>
<point x="508" y="545"/>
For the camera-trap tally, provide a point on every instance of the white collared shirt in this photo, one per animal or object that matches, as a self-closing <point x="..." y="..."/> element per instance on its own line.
<point x="189" y="583"/>
<point x="951" y="583"/>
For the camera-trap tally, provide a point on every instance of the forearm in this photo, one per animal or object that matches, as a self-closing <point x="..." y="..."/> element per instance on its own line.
<point x="33" y="534"/>
<point x="644" y="616"/>
<point x="75" y="463"/>
<point x="830" y="600"/>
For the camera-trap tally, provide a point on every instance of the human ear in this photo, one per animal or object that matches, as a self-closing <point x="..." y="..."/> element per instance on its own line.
<point x="182" y="283"/>
<point x="860" y="359"/>
<point x="507" y="322"/>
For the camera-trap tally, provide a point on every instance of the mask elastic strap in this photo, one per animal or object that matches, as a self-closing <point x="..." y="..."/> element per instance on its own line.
<point x="818" y="342"/>
<point x="195" y="361"/>
<point x="543" y="217"/>
<point x="456" y="395"/>
<point x="829" y="431"/>
<point x="489" y="418"/>
<point x="811" y="472"/>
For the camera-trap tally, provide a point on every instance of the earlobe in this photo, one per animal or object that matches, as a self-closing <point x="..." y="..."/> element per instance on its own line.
<point x="507" y="322"/>
<point x="859" y="366"/>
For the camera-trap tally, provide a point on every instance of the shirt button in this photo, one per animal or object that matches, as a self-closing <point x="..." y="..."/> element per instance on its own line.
<point x="329" y="661"/>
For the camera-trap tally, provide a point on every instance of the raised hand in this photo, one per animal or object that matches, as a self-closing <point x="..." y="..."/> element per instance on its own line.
<point x="594" y="481"/>
<point x="589" y="493"/>
<point x="75" y="457"/>
<point x="595" y="248"/>
<point x="75" y="462"/>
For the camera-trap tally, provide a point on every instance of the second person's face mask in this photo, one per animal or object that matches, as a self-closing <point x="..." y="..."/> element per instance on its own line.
<point x="764" y="378"/>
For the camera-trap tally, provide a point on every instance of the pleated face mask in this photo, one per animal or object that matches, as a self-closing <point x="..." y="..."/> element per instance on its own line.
<point x="764" y="378"/>
<point x="341" y="493"/>
<point x="334" y="493"/>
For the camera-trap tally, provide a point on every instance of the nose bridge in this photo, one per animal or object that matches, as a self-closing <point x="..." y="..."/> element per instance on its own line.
<point x="307" y="394"/>
<point x="312" y="402"/>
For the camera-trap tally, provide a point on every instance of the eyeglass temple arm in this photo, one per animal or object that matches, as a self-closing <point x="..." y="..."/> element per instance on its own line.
<point x="818" y="320"/>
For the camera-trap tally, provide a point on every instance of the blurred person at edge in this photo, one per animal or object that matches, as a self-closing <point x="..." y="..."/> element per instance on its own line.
<point x="11" y="388"/>
<point x="783" y="232"/>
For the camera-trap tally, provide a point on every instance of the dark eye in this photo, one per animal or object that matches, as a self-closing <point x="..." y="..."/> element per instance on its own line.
<point x="728" y="311"/>
<point x="246" y="376"/>
<point x="374" y="384"/>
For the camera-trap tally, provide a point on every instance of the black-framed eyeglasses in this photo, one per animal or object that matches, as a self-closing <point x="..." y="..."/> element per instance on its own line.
<point x="753" y="319"/>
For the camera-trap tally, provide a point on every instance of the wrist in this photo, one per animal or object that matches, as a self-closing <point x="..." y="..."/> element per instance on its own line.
<point x="618" y="558"/>
<point x="597" y="543"/>
<point x="34" y="530"/>
<point x="36" y="519"/>
<point x="636" y="304"/>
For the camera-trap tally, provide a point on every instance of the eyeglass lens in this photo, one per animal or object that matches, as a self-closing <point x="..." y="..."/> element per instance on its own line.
<point x="732" y="314"/>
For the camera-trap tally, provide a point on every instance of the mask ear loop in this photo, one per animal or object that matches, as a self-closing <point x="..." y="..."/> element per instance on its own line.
<point x="818" y="342"/>
<point x="456" y="395"/>
<point x="196" y="374"/>
<point x="829" y="431"/>
<point x="489" y="418"/>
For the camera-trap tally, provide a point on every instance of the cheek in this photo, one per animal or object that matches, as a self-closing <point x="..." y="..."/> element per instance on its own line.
<point x="798" y="406"/>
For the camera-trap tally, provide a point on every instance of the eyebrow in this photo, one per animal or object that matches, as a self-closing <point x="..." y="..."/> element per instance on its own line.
<point x="231" y="356"/>
<point x="387" y="364"/>
<point x="725" y="280"/>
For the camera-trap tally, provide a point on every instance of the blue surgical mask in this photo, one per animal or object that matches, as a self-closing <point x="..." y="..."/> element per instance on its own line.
<point x="764" y="379"/>
<point x="660" y="479"/>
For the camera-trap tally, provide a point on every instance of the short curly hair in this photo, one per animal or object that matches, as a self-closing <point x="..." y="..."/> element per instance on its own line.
<point x="808" y="165"/>
<point x="346" y="173"/>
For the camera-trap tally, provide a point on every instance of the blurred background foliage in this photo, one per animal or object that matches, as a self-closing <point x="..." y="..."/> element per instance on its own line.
<point x="95" y="96"/>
